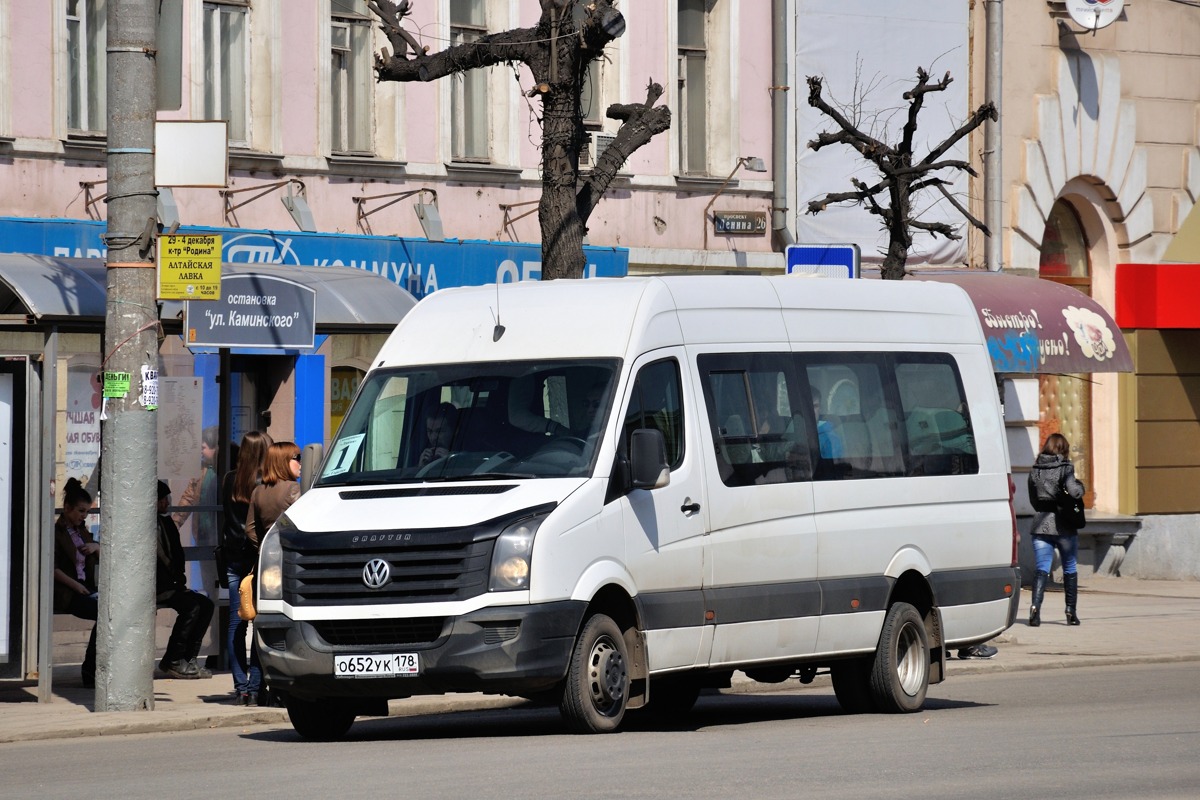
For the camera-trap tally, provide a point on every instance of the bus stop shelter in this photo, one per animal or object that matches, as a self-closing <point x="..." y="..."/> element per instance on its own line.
<point x="51" y="305"/>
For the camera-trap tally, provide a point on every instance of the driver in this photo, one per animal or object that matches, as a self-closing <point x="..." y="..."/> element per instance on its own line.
<point x="439" y="431"/>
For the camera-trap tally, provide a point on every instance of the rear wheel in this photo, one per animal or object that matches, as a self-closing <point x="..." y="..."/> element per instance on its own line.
<point x="597" y="686"/>
<point x="320" y="720"/>
<point x="900" y="674"/>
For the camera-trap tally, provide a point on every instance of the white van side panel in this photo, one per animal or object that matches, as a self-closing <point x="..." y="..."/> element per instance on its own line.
<point x="850" y="633"/>
<point x="763" y="641"/>
<point x="973" y="622"/>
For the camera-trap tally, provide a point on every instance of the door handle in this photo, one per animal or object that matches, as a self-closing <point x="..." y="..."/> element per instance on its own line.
<point x="689" y="507"/>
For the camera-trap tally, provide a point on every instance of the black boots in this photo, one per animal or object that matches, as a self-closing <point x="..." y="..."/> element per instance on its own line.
<point x="1071" y="587"/>
<point x="1039" y="589"/>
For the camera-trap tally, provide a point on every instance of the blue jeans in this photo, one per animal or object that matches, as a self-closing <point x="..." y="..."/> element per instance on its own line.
<point x="1067" y="546"/>
<point x="247" y="674"/>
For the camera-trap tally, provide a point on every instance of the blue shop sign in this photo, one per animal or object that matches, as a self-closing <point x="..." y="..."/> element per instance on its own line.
<point x="418" y="265"/>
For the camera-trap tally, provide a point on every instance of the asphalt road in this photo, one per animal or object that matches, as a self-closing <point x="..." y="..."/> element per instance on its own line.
<point x="1104" y="732"/>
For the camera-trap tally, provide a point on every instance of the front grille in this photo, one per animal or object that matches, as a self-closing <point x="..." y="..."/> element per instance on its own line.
<point x="426" y="568"/>
<point x="380" y="632"/>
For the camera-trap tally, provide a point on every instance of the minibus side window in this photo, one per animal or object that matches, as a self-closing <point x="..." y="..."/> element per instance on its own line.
<point x="655" y="402"/>
<point x="755" y="416"/>
<point x="937" y="421"/>
<point x="857" y="427"/>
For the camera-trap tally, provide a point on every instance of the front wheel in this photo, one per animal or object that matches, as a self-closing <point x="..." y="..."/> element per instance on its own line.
<point x="597" y="686"/>
<point x="320" y="720"/>
<point x="900" y="674"/>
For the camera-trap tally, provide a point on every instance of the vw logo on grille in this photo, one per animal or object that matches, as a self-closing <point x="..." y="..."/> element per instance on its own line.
<point x="376" y="573"/>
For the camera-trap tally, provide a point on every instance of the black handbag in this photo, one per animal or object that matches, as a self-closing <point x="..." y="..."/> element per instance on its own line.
<point x="1070" y="512"/>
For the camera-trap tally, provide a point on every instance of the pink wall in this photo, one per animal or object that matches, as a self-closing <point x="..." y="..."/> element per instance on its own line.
<point x="32" y="68"/>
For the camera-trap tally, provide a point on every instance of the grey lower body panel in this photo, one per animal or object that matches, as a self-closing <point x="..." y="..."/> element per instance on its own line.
<point x="503" y="650"/>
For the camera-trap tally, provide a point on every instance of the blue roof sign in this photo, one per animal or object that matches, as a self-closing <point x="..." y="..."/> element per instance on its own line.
<point x="827" y="260"/>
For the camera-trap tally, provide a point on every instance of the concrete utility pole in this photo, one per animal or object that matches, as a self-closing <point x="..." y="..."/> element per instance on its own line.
<point x="128" y="479"/>
<point x="993" y="162"/>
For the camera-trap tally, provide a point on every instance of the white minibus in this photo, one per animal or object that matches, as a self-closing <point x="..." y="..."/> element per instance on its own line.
<point x="612" y="494"/>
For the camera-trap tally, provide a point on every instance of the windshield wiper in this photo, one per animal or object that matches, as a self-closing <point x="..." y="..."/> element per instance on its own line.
<point x="488" y="476"/>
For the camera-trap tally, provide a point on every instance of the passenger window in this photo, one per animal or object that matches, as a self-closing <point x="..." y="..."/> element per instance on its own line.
<point x="857" y="429"/>
<point x="655" y="403"/>
<point x="754" y="415"/>
<point x="937" y="421"/>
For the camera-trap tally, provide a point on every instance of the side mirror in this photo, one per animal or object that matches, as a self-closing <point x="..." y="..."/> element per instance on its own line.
<point x="648" y="466"/>
<point x="310" y="462"/>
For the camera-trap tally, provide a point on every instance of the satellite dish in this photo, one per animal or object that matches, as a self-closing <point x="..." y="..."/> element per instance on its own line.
<point x="1095" y="14"/>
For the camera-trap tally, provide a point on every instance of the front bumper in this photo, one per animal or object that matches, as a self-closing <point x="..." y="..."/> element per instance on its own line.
<point x="503" y="650"/>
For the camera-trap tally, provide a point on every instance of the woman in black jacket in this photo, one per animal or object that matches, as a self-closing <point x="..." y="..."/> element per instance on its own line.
<point x="241" y="556"/>
<point x="1051" y="481"/>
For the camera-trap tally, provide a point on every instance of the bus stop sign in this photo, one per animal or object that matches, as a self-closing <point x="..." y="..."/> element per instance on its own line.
<point x="826" y="260"/>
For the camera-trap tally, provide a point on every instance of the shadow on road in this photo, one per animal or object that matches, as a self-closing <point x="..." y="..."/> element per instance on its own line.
<point x="542" y="720"/>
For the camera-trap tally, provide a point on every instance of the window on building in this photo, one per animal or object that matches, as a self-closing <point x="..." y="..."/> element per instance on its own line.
<point x="1065" y="401"/>
<point x="468" y="93"/>
<point x="591" y="103"/>
<point x="226" y="66"/>
<point x="352" y="81"/>
<point x="86" y="65"/>
<point x="693" y="91"/>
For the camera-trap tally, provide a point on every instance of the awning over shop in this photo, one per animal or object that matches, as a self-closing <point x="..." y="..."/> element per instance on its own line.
<point x="1158" y="296"/>
<point x="1038" y="326"/>
<point x="42" y="290"/>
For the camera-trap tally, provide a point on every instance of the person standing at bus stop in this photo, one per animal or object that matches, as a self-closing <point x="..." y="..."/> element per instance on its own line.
<point x="240" y="556"/>
<point x="274" y="495"/>
<point x="1052" y="477"/>
<point x="76" y="559"/>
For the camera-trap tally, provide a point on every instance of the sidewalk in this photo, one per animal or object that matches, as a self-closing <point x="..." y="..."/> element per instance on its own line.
<point x="1124" y="621"/>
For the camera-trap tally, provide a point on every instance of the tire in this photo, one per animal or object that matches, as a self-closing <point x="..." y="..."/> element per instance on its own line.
<point x="673" y="696"/>
<point x="320" y="720"/>
<point x="900" y="674"/>
<point x="852" y="685"/>
<point x="596" y="691"/>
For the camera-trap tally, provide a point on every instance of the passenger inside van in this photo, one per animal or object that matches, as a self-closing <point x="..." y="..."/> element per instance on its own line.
<point x="828" y="438"/>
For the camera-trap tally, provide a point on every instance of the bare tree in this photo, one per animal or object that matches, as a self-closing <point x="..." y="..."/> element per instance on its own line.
<point x="569" y="36"/>
<point x="902" y="176"/>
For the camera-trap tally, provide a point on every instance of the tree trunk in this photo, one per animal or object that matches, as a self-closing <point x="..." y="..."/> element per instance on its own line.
<point x="558" y="213"/>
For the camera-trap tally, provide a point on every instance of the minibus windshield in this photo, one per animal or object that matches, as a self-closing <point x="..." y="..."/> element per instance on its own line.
<point x="478" y="421"/>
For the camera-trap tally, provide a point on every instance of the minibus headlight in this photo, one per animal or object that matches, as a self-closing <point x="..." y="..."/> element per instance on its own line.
<point x="512" y="556"/>
<point x="270" y="563"/>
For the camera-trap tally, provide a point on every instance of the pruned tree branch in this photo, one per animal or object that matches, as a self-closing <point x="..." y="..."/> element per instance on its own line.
<point x="935" y="228"/>
<point x="870" y="147"/>
<point x="641" y="122"/>
<point x="962" y="209"/>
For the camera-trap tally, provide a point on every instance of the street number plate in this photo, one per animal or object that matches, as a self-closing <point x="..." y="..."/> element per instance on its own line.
<point x="377" y="665"/>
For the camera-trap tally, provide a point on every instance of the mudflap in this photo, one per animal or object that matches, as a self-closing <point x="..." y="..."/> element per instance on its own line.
<point x="639" y="685"/>
<point x="937" y="647"/>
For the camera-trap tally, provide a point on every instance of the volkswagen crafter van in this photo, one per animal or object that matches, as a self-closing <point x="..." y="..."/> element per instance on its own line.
<point x="611" y="494"/>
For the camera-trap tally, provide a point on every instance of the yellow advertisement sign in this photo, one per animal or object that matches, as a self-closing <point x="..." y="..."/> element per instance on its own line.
<point x="189" y="267"/>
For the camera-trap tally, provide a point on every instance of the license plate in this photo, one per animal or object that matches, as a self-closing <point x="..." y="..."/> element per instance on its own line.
<point x="386" y="665"/>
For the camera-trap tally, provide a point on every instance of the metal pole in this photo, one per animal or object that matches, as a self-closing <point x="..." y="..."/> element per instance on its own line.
<point x="993" y="166"/>
<point x="45" y="516"/>
<point x="779" y="127"/>
<point x="128" y="489"/>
